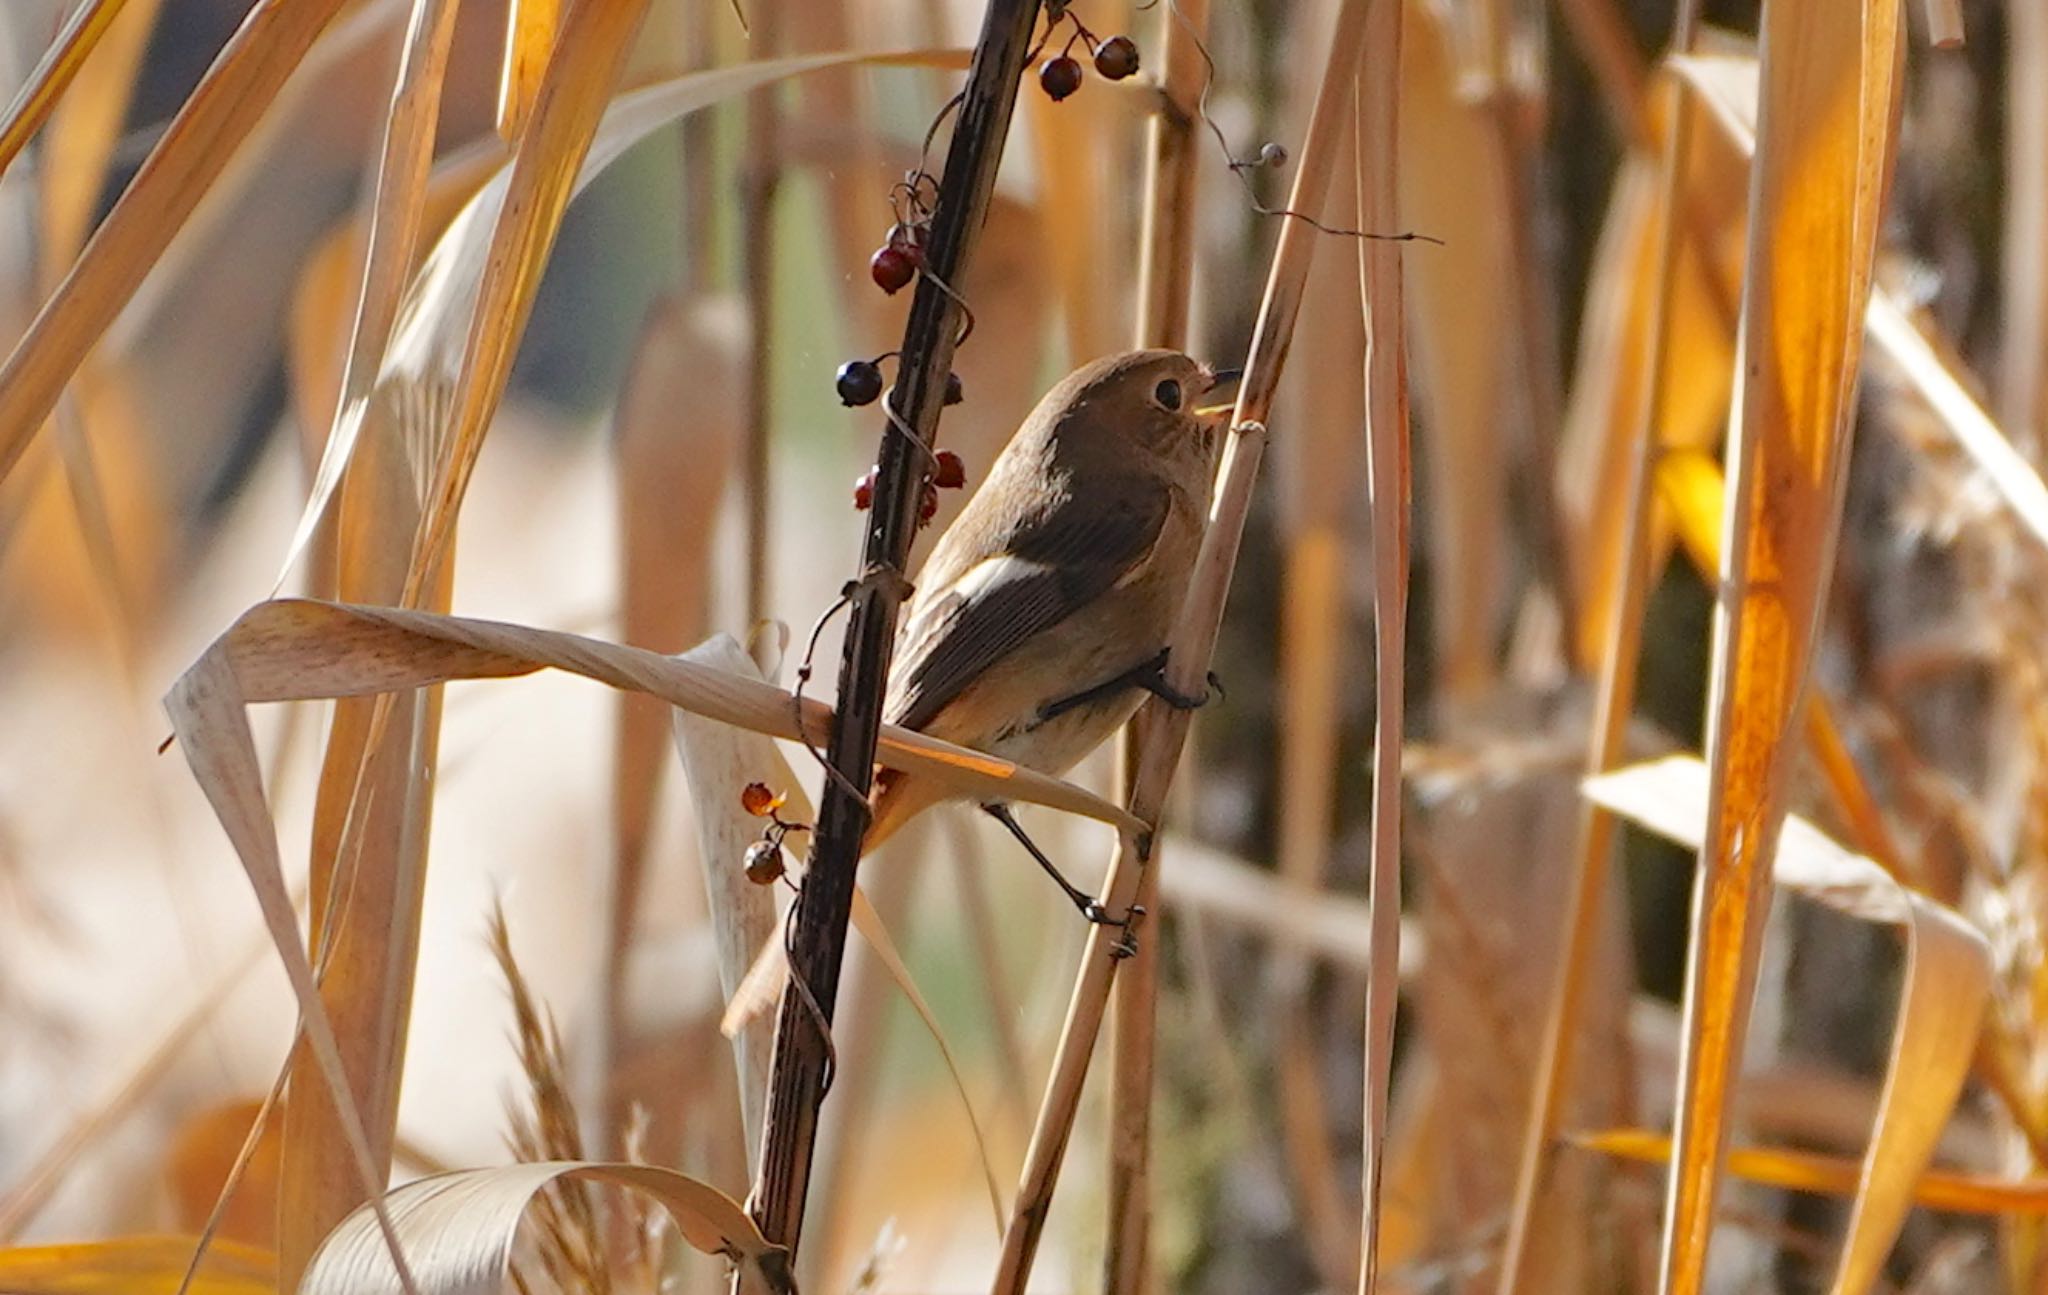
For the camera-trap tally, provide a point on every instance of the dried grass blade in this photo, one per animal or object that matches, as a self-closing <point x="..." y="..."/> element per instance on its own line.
<point x="1690" y="484"/>
<point x="1617" y="592"/>
<point x="2006" y="470"/>
<point x="1822" y="1175"/>
<point x="148" y="1265"/>
<point x="1464" y="357"/>
<point x="753" y="993"/>
<point x="460" y="1228"/>
<point x="529" y="40"/>
<point x="398" y="214"/>
<point x="53" y="75"/>
<point x="84" y="131"/>
<point x="595" y="39"/>
<point x="1387" y="479"/>
<point x="1946" y="987"/>
<point x="670" y="474"/>
<point x="206" y="707"/>
<point x="2023" y="251"/>
<point x="872" y="929"/>
<point x="193" y="152"/>
<point x="1825" y="146"/>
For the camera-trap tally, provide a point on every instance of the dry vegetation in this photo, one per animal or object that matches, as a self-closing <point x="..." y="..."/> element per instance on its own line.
<point x="1676" y="875"/>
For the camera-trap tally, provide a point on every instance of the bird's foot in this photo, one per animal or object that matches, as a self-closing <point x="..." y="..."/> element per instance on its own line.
<point x="1149" y="675"/>
<point x="1152" y="678"/>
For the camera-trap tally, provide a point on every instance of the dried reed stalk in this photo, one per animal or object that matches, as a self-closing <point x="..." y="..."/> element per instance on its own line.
<point x="823" y="907"/>
<point x="1166" y="263"/>
<point x="1387" y="476"/>
<point x="197" y="147"/>
<point x="1614" y="696"/>
<point x="760" y="182"/>
<point x="53" y="74"/>
<point x="2023" y="371"/>
<point x="1162" y="731"/>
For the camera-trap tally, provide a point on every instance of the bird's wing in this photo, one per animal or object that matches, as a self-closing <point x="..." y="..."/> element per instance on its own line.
<point x="1052" y="566"/>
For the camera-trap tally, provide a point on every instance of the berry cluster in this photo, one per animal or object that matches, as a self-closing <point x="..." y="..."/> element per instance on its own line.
<point x="859" y="382"/>
<point x="764" y="862"/>
<point x="948" y="473"/>
<point x="1060" y="75"/>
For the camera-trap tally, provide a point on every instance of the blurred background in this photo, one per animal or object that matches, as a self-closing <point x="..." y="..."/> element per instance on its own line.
<point x="144" y="1013"/>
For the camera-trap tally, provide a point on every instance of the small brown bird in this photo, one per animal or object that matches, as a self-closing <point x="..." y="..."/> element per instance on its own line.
<point x="1042" y="616"/>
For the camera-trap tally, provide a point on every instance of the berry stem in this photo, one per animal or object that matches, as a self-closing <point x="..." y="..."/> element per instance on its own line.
<point x="818" y="934"/>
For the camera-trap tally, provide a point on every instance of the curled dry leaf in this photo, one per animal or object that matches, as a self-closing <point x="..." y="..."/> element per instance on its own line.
<point x="458" y="1228"/>
<point x="294" y="649"/>
<point x="1944" y="989"/>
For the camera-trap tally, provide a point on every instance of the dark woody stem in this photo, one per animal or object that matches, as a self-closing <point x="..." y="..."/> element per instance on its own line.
<point x="818" y="938"/>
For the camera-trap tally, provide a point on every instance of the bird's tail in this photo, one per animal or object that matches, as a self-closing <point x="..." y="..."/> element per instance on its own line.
<point x="897" y="799"/>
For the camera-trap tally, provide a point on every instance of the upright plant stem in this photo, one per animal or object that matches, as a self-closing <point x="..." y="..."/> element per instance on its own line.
<point x="1614" y="698"/>
<point x="1162" y="731"/>
<point x="1166" y="267"/>
<point x="1387" y="474"/>
<point x="818" y="940"/>
<point x="760" y="180"/>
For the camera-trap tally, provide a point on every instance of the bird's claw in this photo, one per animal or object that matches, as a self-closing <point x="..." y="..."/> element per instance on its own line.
<point x="1127" y="939"/>
<point x="1152" y="678"/>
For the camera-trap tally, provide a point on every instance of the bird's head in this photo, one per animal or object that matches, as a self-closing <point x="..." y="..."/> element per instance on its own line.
<point x="1161" y="403"/>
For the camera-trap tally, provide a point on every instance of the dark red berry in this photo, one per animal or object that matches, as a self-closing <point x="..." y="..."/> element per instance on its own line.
<point x="859" y="382"/>
<point x="1059" y="77"/>
<point x="954" y="393"/>
<point x="909" y="240"/>
<point x="928" y="505"/>
<point x="893" y="268"/>
<point x="764" y="862"/>
<point x="948" y="472"/>
<point x="864" y="491"/>
<point x="1117" y="58"/>
<point x="757" y="800"/>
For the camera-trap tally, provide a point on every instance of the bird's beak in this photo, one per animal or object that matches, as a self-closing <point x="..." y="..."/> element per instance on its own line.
<point x="1223" y="382"/>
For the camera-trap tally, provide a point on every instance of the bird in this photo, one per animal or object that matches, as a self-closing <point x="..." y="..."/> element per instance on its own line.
<point x="1041" y="619"/>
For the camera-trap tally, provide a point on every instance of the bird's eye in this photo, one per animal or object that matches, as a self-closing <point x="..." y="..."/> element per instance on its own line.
<point x="1167" y="394"/>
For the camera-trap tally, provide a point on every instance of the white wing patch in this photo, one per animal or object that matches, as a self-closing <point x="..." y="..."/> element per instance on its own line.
<point x="994" y="573"/>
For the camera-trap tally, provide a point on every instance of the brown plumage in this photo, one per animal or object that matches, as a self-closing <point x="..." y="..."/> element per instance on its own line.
<point x="1066" y="570"/>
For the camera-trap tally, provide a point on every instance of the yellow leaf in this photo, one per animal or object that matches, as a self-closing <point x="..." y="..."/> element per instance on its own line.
<point x="1824" y="149"/>
<point x="136" y="1266"/>
<point x="1807" y="1171"/>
